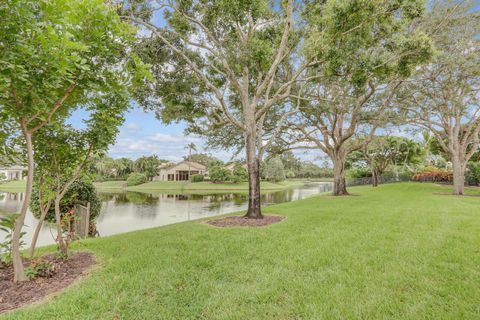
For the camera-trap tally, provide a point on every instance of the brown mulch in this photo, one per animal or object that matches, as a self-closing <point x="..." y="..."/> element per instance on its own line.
<point x="15" y="295"/>
<point x="239" y="221"/>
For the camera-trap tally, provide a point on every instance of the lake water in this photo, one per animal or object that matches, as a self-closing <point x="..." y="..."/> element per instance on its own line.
<point x="129" y="211"/>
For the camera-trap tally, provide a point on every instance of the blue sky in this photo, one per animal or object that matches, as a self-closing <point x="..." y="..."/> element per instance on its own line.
<point x="143" y="134"/>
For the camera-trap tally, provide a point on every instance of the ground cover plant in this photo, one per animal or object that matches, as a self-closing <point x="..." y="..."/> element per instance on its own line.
<point x="398" y="251"/>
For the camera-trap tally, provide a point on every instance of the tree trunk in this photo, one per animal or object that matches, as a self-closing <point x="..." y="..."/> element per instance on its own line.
<point x="18" y="270"/>
<point x="58" y="221"/>
<point x="339" y="183"/>
<point x="375" y="178"/>
<point x="458" y="176"/>
<point x="253" y="165"/>
<point x="43" y="213"/>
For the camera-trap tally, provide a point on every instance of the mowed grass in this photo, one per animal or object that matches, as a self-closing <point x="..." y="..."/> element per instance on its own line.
<point x="394" y="252"/>
<point x="13" y="186"/>
<point x="188" y="186"/>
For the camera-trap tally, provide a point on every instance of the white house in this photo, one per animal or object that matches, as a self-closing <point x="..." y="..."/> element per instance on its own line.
<point x="13" y="172"/>
<point x="181" y="171"/>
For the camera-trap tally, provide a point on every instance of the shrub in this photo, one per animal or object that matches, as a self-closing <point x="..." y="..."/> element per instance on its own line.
<point x="219" y="174"/>
<point x="7" y="225"/>
<point x="433" y="174"/>
<point x="40" y="268"/>
<point x="3" y="177"/>
<point x="357" y="173"/>
<point x="239" y="174"/>
<point x="80" y="192"/>
<point x="274" y="170"/>
<point x="134" y="179"/>
<point x="473" y="174"/>
<point x="197" y="178"/>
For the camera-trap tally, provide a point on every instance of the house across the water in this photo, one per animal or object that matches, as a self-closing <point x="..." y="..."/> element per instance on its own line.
<point x="181" y="171"/>
<point x="13" y="172"/>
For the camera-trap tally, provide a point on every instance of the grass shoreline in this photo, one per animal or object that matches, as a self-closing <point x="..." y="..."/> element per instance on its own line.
<point x="188" y="187"/>
<point x="397" y="251"/>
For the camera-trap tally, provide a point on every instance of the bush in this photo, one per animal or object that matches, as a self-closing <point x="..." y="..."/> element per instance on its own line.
<point x="358" y="173"/>
<point x="3" y="177"/>
<point x="80" y="192"/>
<point x="134" y="179"/>
<point x="239" y="174"/>
<point x="473" y="174"/>
<point x="274" y="170"/>
<point x="433" y="174"/>
<point x="219" y="174"/>
<point x="197" y="178"/>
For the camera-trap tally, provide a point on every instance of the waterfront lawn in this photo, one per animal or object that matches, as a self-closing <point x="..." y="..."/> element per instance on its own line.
<point x="13" y="186"/>
<point x="398" y="251"/>
<point x="189" y="186"/>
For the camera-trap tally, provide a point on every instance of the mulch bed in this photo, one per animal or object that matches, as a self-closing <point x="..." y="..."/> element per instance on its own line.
<point x="15" y="295"/>
<point x="239" y="221"/>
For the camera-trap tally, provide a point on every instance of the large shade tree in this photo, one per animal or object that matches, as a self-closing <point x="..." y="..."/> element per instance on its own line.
<point x="368" y="48"/>
<point x="223" y="64"/>
<point x="444" y="97"/>
<point x="53" y="54"/>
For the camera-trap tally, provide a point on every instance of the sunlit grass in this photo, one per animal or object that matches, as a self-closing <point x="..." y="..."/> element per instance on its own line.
<point x="394" y="252"/>
<point x="13" y="186"/>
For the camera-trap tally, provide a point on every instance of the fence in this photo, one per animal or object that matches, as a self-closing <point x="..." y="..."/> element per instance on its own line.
<point x="82" y="220"/>
<point x="381" y="180"/>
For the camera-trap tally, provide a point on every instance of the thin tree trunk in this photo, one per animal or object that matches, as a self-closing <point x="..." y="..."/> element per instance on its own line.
<point x="374" y="178"/>
<point x="58" y="221"/>
<point x="43" y="213"/>
<point x="458" y="176"/>
<point x="18" y="270"/>
<point x="339" y="183"/>
<point x="253" y="164"/>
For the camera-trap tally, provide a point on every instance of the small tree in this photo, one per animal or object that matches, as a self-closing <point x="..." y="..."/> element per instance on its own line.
<point x="147" y="165"/>
<point x="239" y="173"/>
<point x="63" y="154"/>
<point x="219" y="174"/>
<point x="274" y="170"/>
<point x="384" y="151"/>
<point x="53" y="54"/>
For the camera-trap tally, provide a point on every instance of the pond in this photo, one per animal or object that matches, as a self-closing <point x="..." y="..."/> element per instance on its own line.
<point x="129" y="211"/>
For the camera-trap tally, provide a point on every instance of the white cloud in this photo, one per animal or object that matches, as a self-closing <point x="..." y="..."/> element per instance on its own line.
<point x="132" y="127"/>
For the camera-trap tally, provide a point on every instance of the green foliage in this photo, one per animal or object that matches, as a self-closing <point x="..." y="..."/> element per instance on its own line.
<point x="136" y="178"/>
<point x="197" y="178"/>
<point x="366" y="39"/>
<point x="274" y="170"/>
<point x="80" y="192"/>
<point x="3" y="177"/>
<point x="473" y="173"/>
<point x="7" y="225"/>
<point x="239" y="173"/>
<point x="219" y="174"/>
<point x="40" y="268"/>
<point x="147" y="165"/>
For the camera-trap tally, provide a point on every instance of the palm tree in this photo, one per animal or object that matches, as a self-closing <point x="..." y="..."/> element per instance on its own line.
<point x="191" y="146"/>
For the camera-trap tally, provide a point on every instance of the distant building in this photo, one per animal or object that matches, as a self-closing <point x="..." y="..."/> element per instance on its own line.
<point x="13" y="172"/>
<point x="181" y="171"/>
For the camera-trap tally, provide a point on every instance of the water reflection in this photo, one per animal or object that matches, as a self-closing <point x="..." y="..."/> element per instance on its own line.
<point x="129" y="211"/>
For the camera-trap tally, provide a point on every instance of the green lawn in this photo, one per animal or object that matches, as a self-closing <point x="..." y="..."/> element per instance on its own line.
<point x="394" y="252"/>
<point x="187" y="186"/>
<point x="13" y="186"/>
